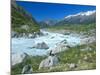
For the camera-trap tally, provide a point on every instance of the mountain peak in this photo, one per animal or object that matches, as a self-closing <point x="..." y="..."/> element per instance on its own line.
<point x="87" y="13"/>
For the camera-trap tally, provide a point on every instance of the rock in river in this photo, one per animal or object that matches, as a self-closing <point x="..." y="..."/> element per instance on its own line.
<point x="41" y="45"/>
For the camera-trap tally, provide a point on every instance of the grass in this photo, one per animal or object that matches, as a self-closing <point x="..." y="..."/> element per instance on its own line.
<point x="75" y="28"/>
<point x="20" y="17"/>
<point x="33" y="60"/>
<point x="73" y="55"/>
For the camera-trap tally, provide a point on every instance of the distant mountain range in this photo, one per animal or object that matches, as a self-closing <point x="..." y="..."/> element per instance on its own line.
<point x="47" y="23"/>
<point x="79" y="18"/>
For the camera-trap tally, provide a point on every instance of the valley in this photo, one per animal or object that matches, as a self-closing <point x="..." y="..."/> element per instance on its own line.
<point x="50" y="45"/>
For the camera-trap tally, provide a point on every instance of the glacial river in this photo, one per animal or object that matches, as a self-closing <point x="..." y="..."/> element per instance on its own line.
<point x="22" y="45"/>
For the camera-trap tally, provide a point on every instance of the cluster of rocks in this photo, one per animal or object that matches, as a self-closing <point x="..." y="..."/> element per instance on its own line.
<point x="88" y="40"/>
<point x="52" y="59"/>
<point x="26" y="35"/>
<point x="62" y="46"/>
<point x="49" y="62"/>
<point x="27" y="69"/>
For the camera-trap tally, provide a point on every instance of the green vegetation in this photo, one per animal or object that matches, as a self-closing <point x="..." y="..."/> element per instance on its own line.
<point x="74" y="27"/>
<point x="20" y="17"/>
<point x="73" y="55"/>
<point x="80" y="55"/>
<point x="33" y="60"/>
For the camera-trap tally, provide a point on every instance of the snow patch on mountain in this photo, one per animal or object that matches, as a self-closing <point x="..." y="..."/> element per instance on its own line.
<point x="87" y="13"/>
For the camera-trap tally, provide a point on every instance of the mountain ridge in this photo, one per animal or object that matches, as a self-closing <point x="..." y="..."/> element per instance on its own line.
<point x="79" y="18"/>
<point x="20" y="17"/>
<point x="87" y="13"/>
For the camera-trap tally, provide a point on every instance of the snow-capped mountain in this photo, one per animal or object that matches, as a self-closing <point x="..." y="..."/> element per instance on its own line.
<point x="79" y="18"/>
<point x="88" y="13"/>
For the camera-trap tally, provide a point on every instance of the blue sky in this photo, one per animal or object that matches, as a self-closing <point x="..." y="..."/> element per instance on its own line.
<point x="43" y="11"/>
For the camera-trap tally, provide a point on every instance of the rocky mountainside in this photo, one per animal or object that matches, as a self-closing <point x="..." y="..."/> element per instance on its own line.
<point x="22" y="21"/>
<point x="79" y="18"/>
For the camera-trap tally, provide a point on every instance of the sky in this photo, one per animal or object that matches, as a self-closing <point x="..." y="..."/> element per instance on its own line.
<point x="53" y="11"/>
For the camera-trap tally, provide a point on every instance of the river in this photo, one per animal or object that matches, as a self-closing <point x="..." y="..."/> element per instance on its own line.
<point x="22" y="45"/>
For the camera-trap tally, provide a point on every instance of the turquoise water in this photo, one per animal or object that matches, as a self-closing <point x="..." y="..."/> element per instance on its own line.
<point x="21" y="45"/>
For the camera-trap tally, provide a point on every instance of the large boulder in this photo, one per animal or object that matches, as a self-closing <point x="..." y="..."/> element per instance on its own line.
<point x="41" y="45"/>
<point x="27" y="69"/>
<point x="62" y="46"/>
<point x="49" y="62"/>
<point x="25" y="27"/>
<point x="17" y="58"/>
